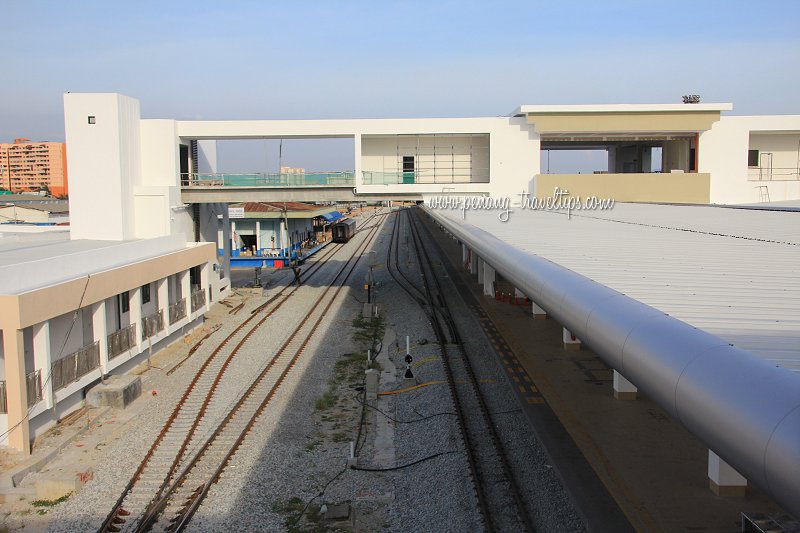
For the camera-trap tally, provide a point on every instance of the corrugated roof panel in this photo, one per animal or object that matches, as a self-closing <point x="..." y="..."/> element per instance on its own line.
<point x="732" y="272"/>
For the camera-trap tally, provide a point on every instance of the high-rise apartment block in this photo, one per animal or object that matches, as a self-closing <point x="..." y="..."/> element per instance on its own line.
<point x="31" y="166"/>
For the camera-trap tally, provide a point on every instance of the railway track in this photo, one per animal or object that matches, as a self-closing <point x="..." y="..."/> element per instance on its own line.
<point x="164" y="466"/>
<point x="499" y="498"/>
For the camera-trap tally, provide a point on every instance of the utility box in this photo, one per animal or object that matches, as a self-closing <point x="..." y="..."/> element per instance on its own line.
<point x="117" y="392"/>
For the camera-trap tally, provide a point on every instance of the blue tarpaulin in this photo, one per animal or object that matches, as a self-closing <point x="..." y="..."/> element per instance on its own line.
<point x="332" y="216"/>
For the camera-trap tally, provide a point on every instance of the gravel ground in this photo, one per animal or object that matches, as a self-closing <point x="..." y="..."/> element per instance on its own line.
<point x="297" y="453"/>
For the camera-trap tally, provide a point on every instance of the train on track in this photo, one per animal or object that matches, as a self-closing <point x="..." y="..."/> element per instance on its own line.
<point x="343" y="231"/>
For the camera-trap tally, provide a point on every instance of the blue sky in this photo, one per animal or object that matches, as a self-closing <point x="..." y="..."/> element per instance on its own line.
<point x="298" y="59"/>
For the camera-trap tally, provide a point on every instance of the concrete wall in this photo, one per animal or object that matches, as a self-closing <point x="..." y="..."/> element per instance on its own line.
<point x="513" y="145"/>
<point x="437" y="158"/>
<point x="647" y="187"/>
<point x="723" y="154"/>
<point x="103" y="161"/>
<point x="782" y="150"/>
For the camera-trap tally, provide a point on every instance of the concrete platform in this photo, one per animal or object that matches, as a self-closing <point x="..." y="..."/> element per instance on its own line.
<point x="655" y="470"/>
<point x="117" y="392"/>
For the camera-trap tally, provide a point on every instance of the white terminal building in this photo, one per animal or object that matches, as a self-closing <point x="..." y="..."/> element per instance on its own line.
<point x="141" y="263"/>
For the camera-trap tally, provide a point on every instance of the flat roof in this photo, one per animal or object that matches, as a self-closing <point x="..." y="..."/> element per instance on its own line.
<point x="31" y="262"/>
<point x="731" y="272"/>
<point x="620" y="108"/>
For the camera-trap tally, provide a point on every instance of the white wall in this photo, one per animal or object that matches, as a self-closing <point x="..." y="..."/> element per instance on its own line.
<point x="207" y="156"/>
<point x="723" y="153"/>
<point x="103" y="162"/>
<point x="513" y="151"/>
<point x="784" y="151"/>
<point x="437" y="158"/>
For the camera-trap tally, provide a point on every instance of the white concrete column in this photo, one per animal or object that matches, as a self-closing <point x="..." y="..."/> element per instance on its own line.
<point x="481" y="264"/>
<point x="16" y="391"/>
<point x="100" y="329"/>
<point x="538" y="312"/>
<point x="135" y="313"/>
<point x="464" y="255"/>
<point x="205" y="280"/>
<point x="162" y="289"/>
<point x="42" y="359"/>
<point x="488" y="279"/>
<point x="723" y="479"/>
<point x="258" y="235"/>
<point x="571" y="342"/>
<point x="623" y="389"/>
<point x="473" y="262"/>
<point x="186" y="290"/>
<point x="226" y="240"/>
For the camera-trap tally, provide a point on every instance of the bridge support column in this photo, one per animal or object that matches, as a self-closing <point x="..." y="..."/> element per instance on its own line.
<point x="538" y="312"/>
<point x="465" y="256"/>
<point x="226" y="244"/>
<point x="488" y="279"/>
<point x="623" y="389"/>
<point x="473" y="262"/>
<point x="481" y="264"/>
<point x="571" y="342"/>
<point x="723" y="479"/>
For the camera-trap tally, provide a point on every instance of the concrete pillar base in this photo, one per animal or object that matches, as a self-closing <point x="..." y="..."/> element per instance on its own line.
<point x="727" y="491"/>
<point x="538" y="312"/>
<point x="488" y="279"/>
<point x="623" y="389"/>
<point x="571" y="342"/>
<point x="723" y="480"/>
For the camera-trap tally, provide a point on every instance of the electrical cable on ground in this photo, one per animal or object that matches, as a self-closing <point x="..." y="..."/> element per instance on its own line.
<point x="400" y="467"/>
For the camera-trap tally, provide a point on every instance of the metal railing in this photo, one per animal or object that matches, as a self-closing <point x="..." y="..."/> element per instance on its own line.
<point x="177" y="311"/>
<point x="71" y="368"/>
<point x="371" y="177"/>
<point x="121" y="341"/>
<point x="152" y="324"/>
<point x="773" y="174"/>
<point x="33" y="385"/>
<point x="198" y="299"/>
<point x="3" y="398"/>
<point x="309" y="179"/>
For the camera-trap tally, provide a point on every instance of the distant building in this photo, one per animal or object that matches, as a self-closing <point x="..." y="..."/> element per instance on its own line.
<point x="31" y="166"/>
<point x="271" y="234"/>
<point x="46" y="213"/>
<point x="292" y="170"/>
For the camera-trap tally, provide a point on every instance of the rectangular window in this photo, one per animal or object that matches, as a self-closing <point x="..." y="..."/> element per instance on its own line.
<point x="752" y="158"/>
<point x="146" y="293"/>
<point x="125" y="302"/>
<point x="92" y="120"/>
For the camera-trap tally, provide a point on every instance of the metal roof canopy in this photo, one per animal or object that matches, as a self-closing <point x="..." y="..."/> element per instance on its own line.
<point x="710" y="266"/>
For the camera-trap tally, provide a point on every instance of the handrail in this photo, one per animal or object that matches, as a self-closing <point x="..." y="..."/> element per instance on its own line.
<point x="177" y="310"/>
<point x="74" y="366"/>
<point x="152" y="324"/>
<point x="773" y="173"/>
<point x="121" y="341"/>
<point x="743" y="408"/>
<point x="264" y="179"/>
<point x="198" y="299"/>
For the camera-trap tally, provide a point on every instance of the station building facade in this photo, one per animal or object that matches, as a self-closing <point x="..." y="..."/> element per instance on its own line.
<point x="137" y="271"/>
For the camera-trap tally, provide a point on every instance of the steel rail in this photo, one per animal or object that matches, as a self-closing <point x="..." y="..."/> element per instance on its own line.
<point x="118" y="514"/>
<point x="446" y="315"/>
<point x="201" y="491"/>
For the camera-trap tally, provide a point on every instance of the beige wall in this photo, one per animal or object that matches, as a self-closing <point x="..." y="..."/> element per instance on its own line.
<point x="27" y="309"/>
<point x="657" y="187"/>
<point x="623" y="122"/>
